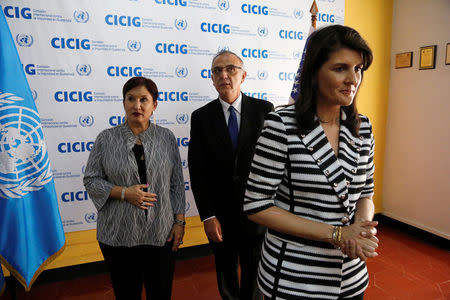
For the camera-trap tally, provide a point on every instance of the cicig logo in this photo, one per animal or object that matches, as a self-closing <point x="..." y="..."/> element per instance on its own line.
<point x="86" y="120"/>
<point x="184" y="163"/>
<point x="172" y="2"/>
<point x="24" y="40"/>
<point x="134" y="45"/>
<point x="84" y="69"/>
<point x="181" y="72"/>
<point x="81" y="16"/>
<point x="182" y="141"/>
<point x="263" y="31"/>
<point x="298" y="13"/>
<point x="181" y="24"/>
<point x="91" y="217"/>
<point x="263" y="74"/>
<point x="17" y="12"/>
<point x="223" y="4"/>
<point x="182" y="118"/>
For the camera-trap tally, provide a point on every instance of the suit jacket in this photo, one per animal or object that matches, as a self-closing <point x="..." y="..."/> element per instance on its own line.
<point x="218" y="174"/>
<point x="301" y="174"/>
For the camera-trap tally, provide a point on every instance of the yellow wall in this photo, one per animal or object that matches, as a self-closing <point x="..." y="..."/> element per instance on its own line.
<point x="373" y="20"/>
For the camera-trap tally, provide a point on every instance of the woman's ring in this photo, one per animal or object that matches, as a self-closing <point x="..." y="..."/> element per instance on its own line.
<point x="180" y="242"/>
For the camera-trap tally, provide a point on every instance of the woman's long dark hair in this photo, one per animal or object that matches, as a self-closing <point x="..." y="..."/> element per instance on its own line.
<point x="321" y="44"/>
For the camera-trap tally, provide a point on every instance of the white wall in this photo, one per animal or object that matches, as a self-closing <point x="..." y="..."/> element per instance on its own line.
<point x="417" y="163"/>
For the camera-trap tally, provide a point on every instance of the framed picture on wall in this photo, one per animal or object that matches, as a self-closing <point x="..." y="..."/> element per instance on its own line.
<point x="427" y="57"/>
<point x="403" y="60"/>
<point x="447" y="55"/>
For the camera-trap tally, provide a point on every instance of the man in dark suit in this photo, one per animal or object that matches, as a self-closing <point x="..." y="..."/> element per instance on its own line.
<point x="223" y="137"/>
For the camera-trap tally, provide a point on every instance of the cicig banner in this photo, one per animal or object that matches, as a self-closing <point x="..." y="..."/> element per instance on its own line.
<point x="78" y="54"/>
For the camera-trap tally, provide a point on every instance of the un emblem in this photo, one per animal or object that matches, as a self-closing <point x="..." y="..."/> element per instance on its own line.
<point x="25" y="165"/>
<point x="223" y="4"/>
<point x="24" y="40"/>
<point x="223" y="48"/>
<point x="181" y="72"/>
<point x="297" y="54"/>
<point x="263" y="31"/>
<point x="84" y="69"/>
<point x="134" y="46"/>
<point x="81" y="16"/>
<point x="182" y="118"/>
<point x="91" y="217"/>
<point x="180" y="24"/>
<point x="34" y="94"/>
<point x="298" y="13"/>
<point x="86" y="121"/>
<point x="263" y="74"/>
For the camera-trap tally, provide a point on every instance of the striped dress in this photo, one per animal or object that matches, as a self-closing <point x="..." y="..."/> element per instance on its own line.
<point x="301" y="174"/>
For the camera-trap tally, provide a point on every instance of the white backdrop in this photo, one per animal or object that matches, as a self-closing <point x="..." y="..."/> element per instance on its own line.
<point x="78" y="54"/>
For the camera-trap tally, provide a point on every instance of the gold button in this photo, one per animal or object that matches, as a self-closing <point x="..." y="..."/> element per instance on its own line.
<point x="327" y="172"/>
<point x="302" y="135"/>
<point x="344" y="220"/>
<point x="347" y="182"/>
<point x="310" y="148"/>
<point x="319" y="161"/>
<point x="335" y="184"/>
<point x="342" y="196"/>
<point x="353" y="171"/>
<point x="361" y="138"/>
<point x="358" y="149"/>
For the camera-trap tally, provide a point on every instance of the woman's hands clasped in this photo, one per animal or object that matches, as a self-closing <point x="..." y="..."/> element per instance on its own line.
<point x="359" y="240"/>
<point x="136" y="196"/>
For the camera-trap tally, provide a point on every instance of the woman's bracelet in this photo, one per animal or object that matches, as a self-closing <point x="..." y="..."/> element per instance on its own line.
<point x="337" y="235"/>
<point x="179" y="222"/>
<point x="122" y="196"/>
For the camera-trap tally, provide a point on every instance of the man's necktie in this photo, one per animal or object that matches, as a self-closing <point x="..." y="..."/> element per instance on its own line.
<point x="233" y="127"/>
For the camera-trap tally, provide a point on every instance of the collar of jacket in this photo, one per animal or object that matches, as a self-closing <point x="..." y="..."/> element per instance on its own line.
<point x="131" y="139"/>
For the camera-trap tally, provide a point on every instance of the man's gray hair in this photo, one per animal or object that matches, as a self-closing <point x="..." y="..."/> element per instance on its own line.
<point x="222" y="52"/>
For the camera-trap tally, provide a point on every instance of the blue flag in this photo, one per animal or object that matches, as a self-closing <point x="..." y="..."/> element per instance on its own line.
<point x="295" y="92"/>
<point x="31" y="232"/>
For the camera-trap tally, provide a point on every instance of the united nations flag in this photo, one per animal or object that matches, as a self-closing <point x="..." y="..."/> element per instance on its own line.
<point x="31" y="233"/>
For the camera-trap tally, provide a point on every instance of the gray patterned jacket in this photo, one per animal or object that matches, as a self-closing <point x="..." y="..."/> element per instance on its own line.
<point x="112" y="163"/>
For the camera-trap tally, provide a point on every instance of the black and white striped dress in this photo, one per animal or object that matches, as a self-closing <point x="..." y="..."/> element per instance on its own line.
<point x="301" y="174"/>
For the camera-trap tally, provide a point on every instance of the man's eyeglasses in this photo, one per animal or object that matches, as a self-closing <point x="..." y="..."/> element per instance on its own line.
<point x="230" y="69"/>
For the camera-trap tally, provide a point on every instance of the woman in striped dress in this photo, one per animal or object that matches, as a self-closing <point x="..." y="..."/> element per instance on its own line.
<point x="311" y="180"/>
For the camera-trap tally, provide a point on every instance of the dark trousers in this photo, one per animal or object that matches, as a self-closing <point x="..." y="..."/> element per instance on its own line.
<point x="133" y="267"/>
<point x="228" y="255"/>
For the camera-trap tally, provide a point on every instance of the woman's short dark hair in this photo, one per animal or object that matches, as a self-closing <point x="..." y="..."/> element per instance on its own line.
<point x="320" y="45"/>
<point x="149" y="84"/>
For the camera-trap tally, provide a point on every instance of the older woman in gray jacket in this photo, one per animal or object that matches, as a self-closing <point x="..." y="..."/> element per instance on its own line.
<point x="134" y="178"/>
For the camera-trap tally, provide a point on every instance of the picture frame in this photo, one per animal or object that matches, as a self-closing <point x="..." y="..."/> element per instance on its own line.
<point x="403" y="60"/>
<point x="427" y="57"/>
<point x="447" y="55"/>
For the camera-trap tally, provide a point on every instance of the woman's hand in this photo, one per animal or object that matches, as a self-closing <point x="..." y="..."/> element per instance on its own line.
<point x="176" y="234"/>
<point x="352" y="249"/>
<point x="136" y="196"/>
<point x="359" y="240"/>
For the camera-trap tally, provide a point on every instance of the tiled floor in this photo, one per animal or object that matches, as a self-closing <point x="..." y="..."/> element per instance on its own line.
<point x="407" y="268"/>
